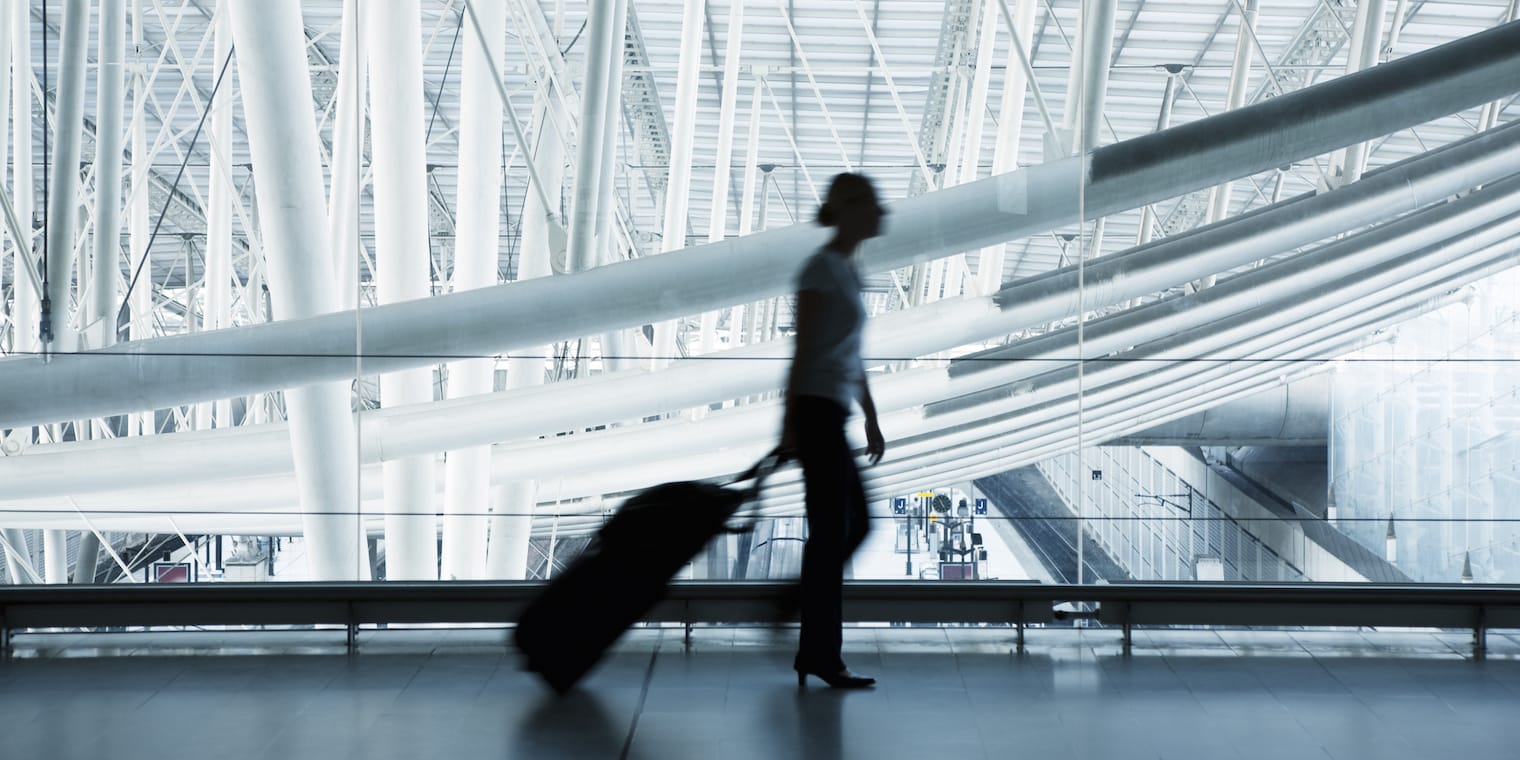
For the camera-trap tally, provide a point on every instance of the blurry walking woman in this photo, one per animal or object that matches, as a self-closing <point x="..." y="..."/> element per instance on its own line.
<point x="826" y="379"/>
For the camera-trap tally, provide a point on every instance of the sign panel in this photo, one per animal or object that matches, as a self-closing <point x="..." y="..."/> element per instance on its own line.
<point x="899" y="506"/>
<point x="980" y="507"/>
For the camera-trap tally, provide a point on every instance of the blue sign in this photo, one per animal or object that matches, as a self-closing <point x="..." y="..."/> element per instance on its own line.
<point x="981" y="507"/>
<point x="899" y="506"/>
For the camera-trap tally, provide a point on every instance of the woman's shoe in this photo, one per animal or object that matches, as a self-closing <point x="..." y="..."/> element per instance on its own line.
<point x="841" y="679"/>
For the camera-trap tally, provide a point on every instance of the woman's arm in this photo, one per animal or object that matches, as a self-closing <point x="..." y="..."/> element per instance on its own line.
<point x="876" y="444"/>
<point x="809" y="307"/>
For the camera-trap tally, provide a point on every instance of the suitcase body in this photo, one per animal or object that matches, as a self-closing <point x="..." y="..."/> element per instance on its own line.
<point x="621" y="575"/>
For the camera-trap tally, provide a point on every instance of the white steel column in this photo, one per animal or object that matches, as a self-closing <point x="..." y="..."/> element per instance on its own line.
<point x="600" y="47"/>
<point x="1097" y="48"/>
<point x="218" y="303"/>
<point x="105" y="269"/>
<point x="17" y="264"/>
<point x="717" y="223"/>
<point x="1163" y="121"/>
<point x="110" y="81"/>
<point x="55" y="556"/>
<point x="347" y="145"/>
<point x="513" y="502"/>
<point x="68" y="132"/>
<point x="678" y="189"/>
<point x="467" y="472"/>
<point x="19" y="91"/>
<point x="737" y="334"/>
<point x="140" y="300"/>
<point x="282" y="142"/>
<point x="1240" y="77"/>
<point x="1366" y="43"/>
<point x="608" y="242"/>
<point x="1005" y="153"/>
<point x="401" y="265"/>
<point x="62" y="212"/>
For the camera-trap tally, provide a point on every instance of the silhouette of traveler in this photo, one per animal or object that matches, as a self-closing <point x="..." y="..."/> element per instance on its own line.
<point x="826" y="378"/>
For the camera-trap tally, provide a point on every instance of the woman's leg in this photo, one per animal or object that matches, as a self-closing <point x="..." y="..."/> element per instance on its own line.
<point x="857" y="516"/>
<point x="827" y="465"/>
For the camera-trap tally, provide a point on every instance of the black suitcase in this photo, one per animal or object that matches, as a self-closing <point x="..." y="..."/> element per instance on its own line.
<point x="624" y="572"/>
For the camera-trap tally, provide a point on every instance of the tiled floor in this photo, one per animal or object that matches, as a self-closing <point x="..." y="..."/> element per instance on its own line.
<point x="944" y="693"/>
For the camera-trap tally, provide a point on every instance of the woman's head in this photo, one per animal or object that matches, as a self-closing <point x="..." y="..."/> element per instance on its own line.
<point x="851" y="209"/>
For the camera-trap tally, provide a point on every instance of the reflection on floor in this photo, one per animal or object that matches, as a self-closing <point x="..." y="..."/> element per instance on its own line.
<point x="944" y="693"/>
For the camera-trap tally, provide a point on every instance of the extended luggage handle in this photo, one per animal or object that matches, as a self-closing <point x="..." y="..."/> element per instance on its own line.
<point x="763" y="469"/>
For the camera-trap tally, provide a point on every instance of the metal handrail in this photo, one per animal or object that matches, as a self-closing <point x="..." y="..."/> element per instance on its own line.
<point x="1018" y="604"/>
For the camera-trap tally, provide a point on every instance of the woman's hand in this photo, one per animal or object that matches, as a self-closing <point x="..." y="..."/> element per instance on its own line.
<point x="876" y="444"/>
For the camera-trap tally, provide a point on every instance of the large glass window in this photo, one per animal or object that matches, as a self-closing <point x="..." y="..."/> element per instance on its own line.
<point x="426" y="290"/>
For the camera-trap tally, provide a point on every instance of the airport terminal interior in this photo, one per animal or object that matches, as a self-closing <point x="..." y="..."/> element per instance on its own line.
<point x="332" y="332"/>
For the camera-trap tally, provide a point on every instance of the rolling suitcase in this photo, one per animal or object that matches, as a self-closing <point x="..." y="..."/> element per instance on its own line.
<point x="624" y="572"/>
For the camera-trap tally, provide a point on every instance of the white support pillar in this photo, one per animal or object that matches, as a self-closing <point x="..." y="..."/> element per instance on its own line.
<point x="467" y="472"/>
<point x="607" y="238"/>
<point x="678" y="189"/>
<point x="1096" y="50"/>
<point x="68" y="133"/>
<point x="717" y="223"/>
<point x="1163" y="121"/>
<point x="18" y="95"/>
<point x="140" y="300"/>
<point x="1366" y="43"/>
<point x="1005" y="153"/>
<point x="737" y="316"/>
<point x="401" y="266"/>
<point x="512" y="503"/>
<point x="282" y="143"/>
<point x="583" y="253"/>
<point x="18" y="566"/>
<point x="1235" y="97"/>
<point x="106" y="269"/>
<point x="55" y="556"/>
<point x="347" y="146"/>
<point x="18" y="266"/>
<point x="217" y="312"/>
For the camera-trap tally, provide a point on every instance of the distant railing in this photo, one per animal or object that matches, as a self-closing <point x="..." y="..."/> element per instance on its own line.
<point x="1018" y="604"/>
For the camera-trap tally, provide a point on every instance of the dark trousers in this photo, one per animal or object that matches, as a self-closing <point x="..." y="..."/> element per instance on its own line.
<point x="837" y="523"/>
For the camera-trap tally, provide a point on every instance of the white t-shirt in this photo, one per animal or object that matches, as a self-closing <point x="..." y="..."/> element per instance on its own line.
<point x="827" y="362"/>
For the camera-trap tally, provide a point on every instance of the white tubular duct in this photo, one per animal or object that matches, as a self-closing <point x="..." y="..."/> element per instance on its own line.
<point x="528" y="314"/>
<point x="68" y="132"/>
<point x="1286" y="415"/>
<point x="1014" y="440"/>
<point x="282" y="143"/>
<point x="1332" y="311"/>
<point x="735" y="373"/>
<point x="401" y="267"/>
<point x="467" y="477"/>
<point x="110" y="81"/>
<point x="525" y="315"/>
